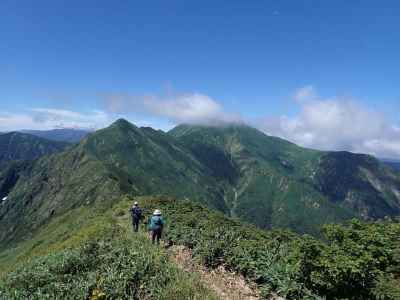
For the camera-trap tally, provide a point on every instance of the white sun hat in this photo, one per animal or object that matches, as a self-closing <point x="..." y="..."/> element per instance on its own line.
<point x="135" y="203"/>
<point x="157" y="212"/>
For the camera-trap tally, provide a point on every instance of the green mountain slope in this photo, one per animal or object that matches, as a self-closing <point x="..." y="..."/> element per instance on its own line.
<point x="121" y="159"/>
<point x="360" y="183"/>
<point x="56" y="205"/>
<point x="273" y="183"/>
<point x="236" y="169"/>
<point x="146" y="161"/>
<point x="21" y="146"/>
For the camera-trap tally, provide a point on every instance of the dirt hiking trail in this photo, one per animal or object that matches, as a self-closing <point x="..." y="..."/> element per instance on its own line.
<point x="226" y="285"/>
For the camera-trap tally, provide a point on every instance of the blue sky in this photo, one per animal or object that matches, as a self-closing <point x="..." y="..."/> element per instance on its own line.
<point x="159" y="63"/>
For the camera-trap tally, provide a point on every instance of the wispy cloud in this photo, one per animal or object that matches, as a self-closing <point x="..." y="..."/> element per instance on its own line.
<point x="336" y="124"/>
<point x="49" y="118"/>
<point x="305" y="93"/>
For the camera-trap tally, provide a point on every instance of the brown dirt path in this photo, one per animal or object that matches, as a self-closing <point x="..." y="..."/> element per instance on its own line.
<point x="227" y="285"/>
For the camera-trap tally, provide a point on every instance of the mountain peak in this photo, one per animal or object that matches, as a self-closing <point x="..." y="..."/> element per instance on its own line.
<point x="122" y="122"/>
<point x="246" y="131"/>
<point x="123" y="125"/>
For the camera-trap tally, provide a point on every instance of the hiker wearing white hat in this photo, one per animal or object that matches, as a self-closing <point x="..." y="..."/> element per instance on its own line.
<point x="156" y="226"/>
<point x="136" y="214"/>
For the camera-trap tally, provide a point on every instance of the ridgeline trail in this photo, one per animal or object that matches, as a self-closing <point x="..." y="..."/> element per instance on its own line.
<point x="226" y="285"/>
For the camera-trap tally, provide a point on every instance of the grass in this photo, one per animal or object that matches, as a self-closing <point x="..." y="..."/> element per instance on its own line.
<point x="93" y="254"/>
<point x="67" y="231"/>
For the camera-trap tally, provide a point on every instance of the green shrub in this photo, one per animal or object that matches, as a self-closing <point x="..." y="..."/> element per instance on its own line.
<point x="352" y="261"/>
<point x="355" y="261"/>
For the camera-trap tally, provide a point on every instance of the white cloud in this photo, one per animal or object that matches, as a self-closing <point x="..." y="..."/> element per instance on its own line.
<point x="49" y="118"/>
<point x="336" y="124"/>
<point x="328" y="124"/>
<point x="181" y="108"/>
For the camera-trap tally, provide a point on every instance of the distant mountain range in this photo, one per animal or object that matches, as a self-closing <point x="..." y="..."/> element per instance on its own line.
<point x="60" y="135"/>
<point x="236" y="169"/>
<point x="21" y="146"/>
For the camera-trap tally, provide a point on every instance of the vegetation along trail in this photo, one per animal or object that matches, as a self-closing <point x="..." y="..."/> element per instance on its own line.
<point x="225" y="284"/>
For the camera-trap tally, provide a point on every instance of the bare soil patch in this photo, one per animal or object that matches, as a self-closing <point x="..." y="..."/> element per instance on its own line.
<point x="227" y="285"/>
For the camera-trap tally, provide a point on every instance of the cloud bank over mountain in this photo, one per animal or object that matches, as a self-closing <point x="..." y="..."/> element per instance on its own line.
<point x="334" y="123"/>
<point x="194" y="108"/>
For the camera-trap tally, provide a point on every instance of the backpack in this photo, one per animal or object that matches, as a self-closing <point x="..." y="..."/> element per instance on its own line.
<point x="136" y="213"/>
<point x="156" y="223"/>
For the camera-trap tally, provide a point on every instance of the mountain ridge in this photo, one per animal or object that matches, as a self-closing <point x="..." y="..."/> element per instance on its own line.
<point x="61" y="135"/>
<point x="22" y="146"/>
<point x="238" y="170"/>
<point x="290" y="168"/>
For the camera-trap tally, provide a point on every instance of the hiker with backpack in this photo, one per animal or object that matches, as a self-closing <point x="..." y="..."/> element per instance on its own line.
<point x="136" y="214"/>
<point x="156" y="225"/>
